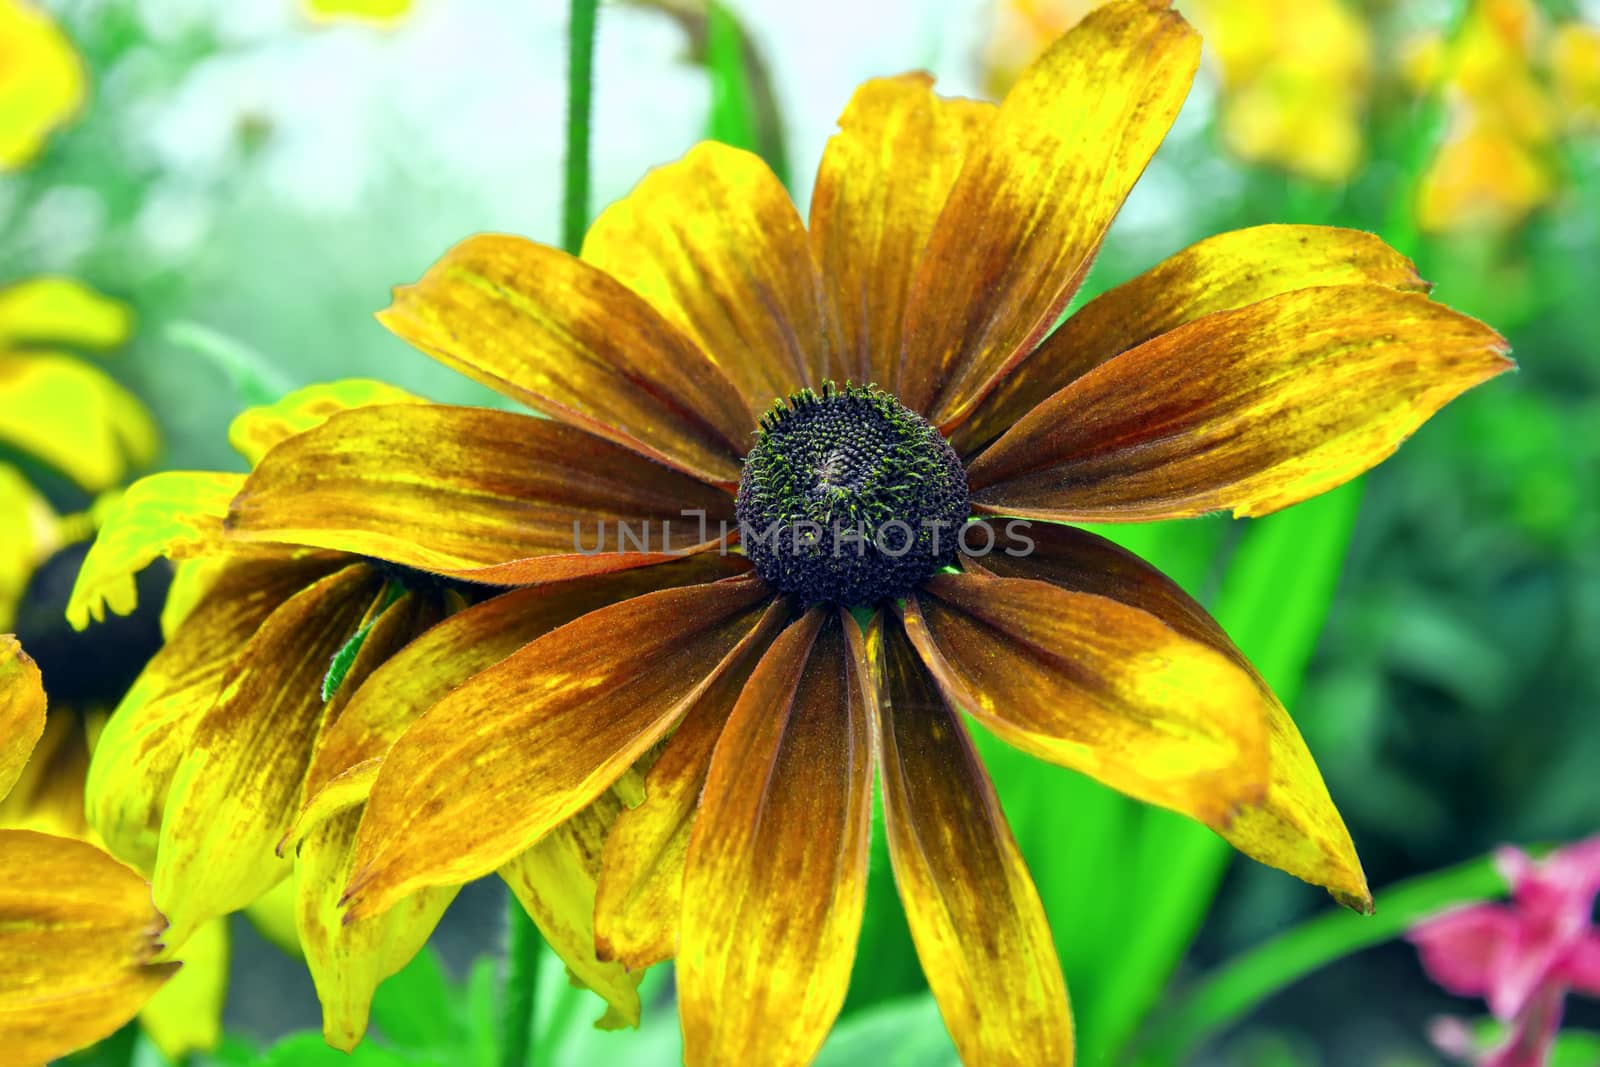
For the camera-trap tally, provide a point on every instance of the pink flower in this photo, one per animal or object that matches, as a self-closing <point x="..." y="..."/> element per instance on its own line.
<point x="1522" y="957"/>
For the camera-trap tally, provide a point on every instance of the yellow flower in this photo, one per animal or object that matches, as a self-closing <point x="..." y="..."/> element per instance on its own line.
<point x="42" y="83"/>
<point x="684" y="364"/>
<point x="1294" y="76"/>
<point x="54" y="406"/>
<point x="80" y="932"/>
<point x="375" y="12"/>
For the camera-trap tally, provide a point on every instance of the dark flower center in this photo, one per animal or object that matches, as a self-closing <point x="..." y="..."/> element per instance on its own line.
<point x="849" y="498"/>
<point x="93" y="668"/>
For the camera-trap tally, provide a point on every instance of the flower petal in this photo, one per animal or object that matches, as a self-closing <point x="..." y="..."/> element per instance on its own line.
<point x="74" y="417"/>
<point x="523" y="746"/>
<point x="1463" y="949"/>
<point x="555" y="881"/>
<point x="348" y="960"/>
<point x="22" y="710"/>
<point x="76" y="946"/>
<point x="1227" y="271"/>
<point x="177" y="514"/>
<point x="714" y="243"/>
<point x="640" y="896"/>
<point x="1035" y="197"/>
<point x="254" y="431"/>
<point x="1250" y="410"/>
<point x="1098" y="686"/>
<point x="1581" y="968"/>
<point x="881" y="183"/>
<point x="137" y="753"/>
<point x="1295" y="827"/>
<point x="238" y="785"/>
<point x="976" y="919"/>
<point x="776" y="873"/>
<point x="550" y="330"/>
<point x="186" y="1015"/>
<point x="62" y="311"/>
<point x="471" y="492"/>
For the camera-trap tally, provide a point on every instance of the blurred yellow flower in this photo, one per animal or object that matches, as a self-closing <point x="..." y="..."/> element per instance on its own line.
<point x="375" y="12"/>
<point x="1294" y="77"/>
<point x="42" y="83"/>
<point x="54" y="406"/>
<point x="1514" y="85"/>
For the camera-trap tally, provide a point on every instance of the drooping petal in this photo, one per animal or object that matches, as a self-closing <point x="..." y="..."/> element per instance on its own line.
<point x="1035" y="197"/>
<point x="480" y="494"/>
<point x="975" y="916"/>
<point x="1227" y="271"/>
<point x="714" y="243"/>
<point x="1463" y="949"/>
<point x="176" y="514"/>
<point x="147" y="736"/>
<point x="568" y="340"/>
<point x="1581" y="967"/>
<point x="640" y="895"/>
<point x="238" y="785"/>
<point x="255" y="430"/>
<point x="75" y="947"/>
<point x="186" y="1015"/>
<point x="348" y="960"/>
<point x="1248" y="410"/>
<point x="1098" y="686"/>
<point x="880" y="186"/>
<point x="524" y="745"/>
<point x="555" y="882"/>
<point x="1295" y="826"/>
<point x="22" y="710"/>
<point x="776" y="873"/>
<point x="74" y="417"/>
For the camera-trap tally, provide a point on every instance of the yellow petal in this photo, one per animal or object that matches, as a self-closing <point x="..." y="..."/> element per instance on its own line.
<point x="1035" y="197"/>
<point x="29" y="532"/>
<point x="21" y="710"/>
<point x="73" y="417"/>
<point x="255" y="430"/>
<point x="487" y="495"/>
<point x="62" y="311"/>
<point x="239" y="783"/>
<point x="568" y="340"/>
<point x="144" y="740"/>
<point x="273" y="916"/>
<point x="48" y="795"/>
<point x="555" y="881"/>
<point x="776" y="874"/>
<point x="526" y="744"/>
<point x="715" y="244"/>
<point x="880" y="186"/>
<point x="1101" y="687"/>
<point x="1248" y="410"/>
<point x="186" y="1015"/>
<point x="373" y="12"/>
<point x="348" y="960"/>
<point x="42" y="83"/>
<point x="174" y="514"/>
<point x="1227" y="271"/>
<point x="75" y="948"/>
<point x="975" y="916"/>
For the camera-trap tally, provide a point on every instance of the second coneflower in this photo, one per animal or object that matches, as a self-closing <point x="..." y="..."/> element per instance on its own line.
<point x="685" y="362"/>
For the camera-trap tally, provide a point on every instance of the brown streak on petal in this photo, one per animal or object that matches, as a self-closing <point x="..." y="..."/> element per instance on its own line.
<point x="22" y="710"/>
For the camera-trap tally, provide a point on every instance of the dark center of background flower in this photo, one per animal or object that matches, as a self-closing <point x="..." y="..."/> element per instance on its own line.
<point x="92" y="669"/>
<point x="849" y="498"/>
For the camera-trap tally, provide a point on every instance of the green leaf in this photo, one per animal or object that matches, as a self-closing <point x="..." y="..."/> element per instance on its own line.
<point x="417" y="1008"/>
<point x="309" y="1050"/>
<point x="742" y="114"/>
<point x="907" y="1032"/>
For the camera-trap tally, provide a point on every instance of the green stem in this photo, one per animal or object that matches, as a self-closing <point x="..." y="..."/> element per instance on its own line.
<point x="522" y="986"/>
<point x="1225" y="996"/>
<point x="580" y="97"/>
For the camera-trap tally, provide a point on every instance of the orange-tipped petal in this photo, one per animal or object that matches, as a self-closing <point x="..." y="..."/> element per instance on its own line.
<point x="880" y="186"/>
<point x="776" y="873"/>
<point x="1098" y="686"/>
<point x="714" y="243"/>
<point x="524" y="745"/>
<point x="22" y="705"/>
<point x="239" y="783"/>
<point x="475" y="493"/>
<point x="78" y="936"/>
<point x="1227" y="271"/>
<point x="1295" y="826"/>
<point x="543" y="327"/>
<point x="975" y="916"/>
<point x="1035" y="197"/>
<point x="1248" y="410"/>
